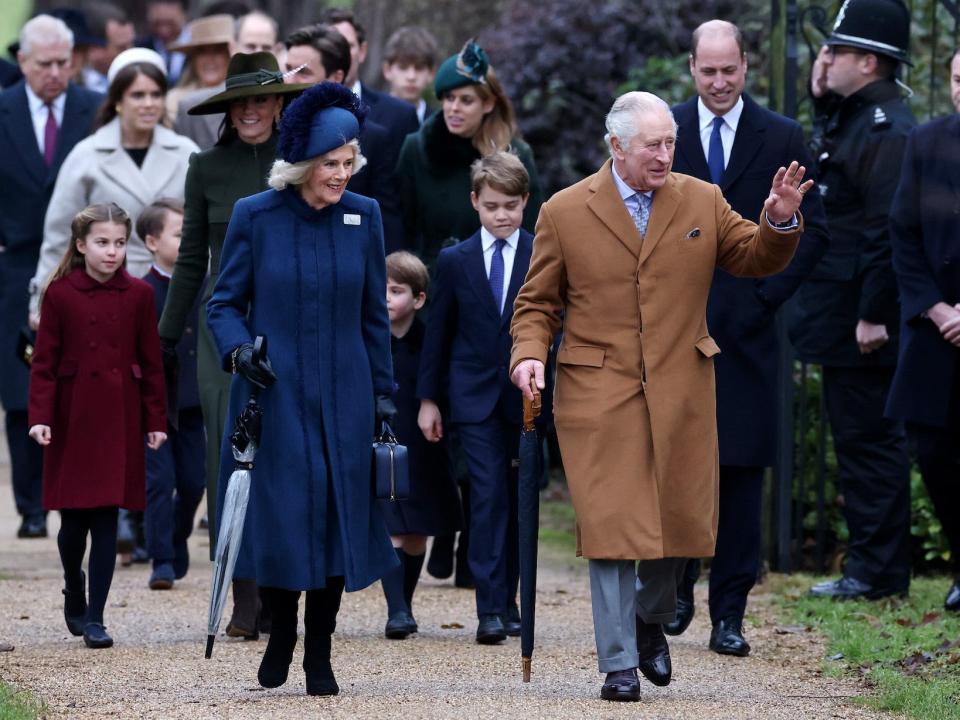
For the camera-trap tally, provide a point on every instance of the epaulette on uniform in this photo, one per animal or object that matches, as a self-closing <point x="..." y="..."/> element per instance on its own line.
<point x="880" y="119"/>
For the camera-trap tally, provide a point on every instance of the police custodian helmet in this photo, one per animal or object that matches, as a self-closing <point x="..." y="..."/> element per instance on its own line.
<point x="881" y="27"/>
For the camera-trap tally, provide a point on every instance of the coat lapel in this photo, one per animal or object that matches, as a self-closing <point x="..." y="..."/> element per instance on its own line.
<point x="746" y="143"/>
<point x="22" y="136"/>
<point x="688" y="139"/>
<point x="608" y="206"/>
<point x="666" y="200"/>
<point x="521" y="261"/>
<point x="476" y="273"/>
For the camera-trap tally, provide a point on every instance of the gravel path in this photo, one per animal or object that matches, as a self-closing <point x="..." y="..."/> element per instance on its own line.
<point x="157" y="670"/>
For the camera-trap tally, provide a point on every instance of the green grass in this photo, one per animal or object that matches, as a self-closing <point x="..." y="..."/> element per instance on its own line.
<point x="18" y="704"/>
<point x="908" y="650"/>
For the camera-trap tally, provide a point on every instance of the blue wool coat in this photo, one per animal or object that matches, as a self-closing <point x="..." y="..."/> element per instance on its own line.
<point x="314" y="282"/>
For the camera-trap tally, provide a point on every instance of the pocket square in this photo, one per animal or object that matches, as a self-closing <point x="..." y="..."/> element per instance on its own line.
<point x="693" y="233"/>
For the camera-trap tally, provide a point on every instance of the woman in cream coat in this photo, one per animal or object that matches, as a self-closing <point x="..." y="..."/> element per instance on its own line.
<point x="131" y="160"/>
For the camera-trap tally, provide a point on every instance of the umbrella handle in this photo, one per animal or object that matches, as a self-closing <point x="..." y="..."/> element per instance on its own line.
<point x="259" y="353"/>
<point x="525" y="663"/>
<point x="531" y="408"/>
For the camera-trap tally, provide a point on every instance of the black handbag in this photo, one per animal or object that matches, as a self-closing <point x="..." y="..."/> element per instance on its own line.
<point x="391" y="470"/>
<point x="26" y="339"/>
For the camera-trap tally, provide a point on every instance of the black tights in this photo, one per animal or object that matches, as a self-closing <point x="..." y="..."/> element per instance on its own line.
<point x="101" y="523"/>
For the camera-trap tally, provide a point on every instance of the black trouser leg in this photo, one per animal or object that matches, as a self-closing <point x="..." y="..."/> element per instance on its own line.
<point x="874" y="470"/>
<point x="938" y="455"/>
<point x="733" y="571"/>
<point x="320" y="622"/>
<point x="283" y="636"/>
<point x="26" y="465"/>
<point x="103" y="559"/>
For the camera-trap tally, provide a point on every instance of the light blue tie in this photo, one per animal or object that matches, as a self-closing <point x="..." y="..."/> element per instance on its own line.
<point x="715" y="156"/>
<point x="496" y="273"/>
<point x="642" y="216"/>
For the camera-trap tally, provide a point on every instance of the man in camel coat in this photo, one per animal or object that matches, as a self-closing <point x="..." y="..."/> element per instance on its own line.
<point x="624" y="260"/>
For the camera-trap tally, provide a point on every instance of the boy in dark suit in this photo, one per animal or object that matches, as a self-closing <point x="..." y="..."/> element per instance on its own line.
<point x="175" y="472"/>
<point x="409" y="64"/>
<point x="465" y="359"/>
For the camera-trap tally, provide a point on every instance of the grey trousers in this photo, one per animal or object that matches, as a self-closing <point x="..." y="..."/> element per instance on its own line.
<point x="621" y="590"/>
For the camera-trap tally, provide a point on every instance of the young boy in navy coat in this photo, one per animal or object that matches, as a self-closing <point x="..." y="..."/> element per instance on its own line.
<point x="465" y="359"/>
<point x="176" y="472"/>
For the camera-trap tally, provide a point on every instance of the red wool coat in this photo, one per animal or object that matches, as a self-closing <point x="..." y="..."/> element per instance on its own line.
<point x="97" y="381"/>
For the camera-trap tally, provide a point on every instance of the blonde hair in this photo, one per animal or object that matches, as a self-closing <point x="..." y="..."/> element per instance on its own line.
<point x="405" y="268"/>
<point x="80" y="228"/>
<point x="502" y="171"/>
<point x="499" y="126"/>
<point x="284" y="173"/>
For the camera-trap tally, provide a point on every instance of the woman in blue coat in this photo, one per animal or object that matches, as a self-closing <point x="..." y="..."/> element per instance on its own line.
<point x="303" y="265"/>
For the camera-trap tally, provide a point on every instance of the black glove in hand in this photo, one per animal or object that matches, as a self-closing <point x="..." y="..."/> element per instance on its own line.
<point x="258" y="371"/>
<point x="168" y="353"/>
<point x="386" y="411"/>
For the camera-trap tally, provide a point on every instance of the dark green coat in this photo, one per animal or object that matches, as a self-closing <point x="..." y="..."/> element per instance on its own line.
<point x="216" y="179"/>
<point x="434" y="178"/>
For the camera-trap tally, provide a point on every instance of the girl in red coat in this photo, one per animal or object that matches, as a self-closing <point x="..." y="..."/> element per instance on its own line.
<point x="96" y="386"/>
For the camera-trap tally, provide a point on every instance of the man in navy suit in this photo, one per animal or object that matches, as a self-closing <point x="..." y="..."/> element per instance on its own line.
<point x="326" y="53"/>
<point x="397" y="116"/>
<point x="926" y="258"/>
<point x="726" y="138"/>
<point x="41" y="118"/>
<point x="465" y="359"/>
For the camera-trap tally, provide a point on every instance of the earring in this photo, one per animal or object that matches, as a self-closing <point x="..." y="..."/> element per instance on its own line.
<point x="119" y="110"/>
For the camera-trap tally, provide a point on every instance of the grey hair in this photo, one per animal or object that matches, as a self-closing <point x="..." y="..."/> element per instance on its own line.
<point x="44" y="30"/>
<point x="622" y="119"/>
<point x="284" y="173"/>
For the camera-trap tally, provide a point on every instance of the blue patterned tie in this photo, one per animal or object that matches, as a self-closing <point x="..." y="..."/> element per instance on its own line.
<point x="496" y="273"/>
<point x="642" y="216"/>
<point x="715" y="157"/>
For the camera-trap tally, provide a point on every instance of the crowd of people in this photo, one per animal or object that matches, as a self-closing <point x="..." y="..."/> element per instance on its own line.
<point x="171" y="197"/>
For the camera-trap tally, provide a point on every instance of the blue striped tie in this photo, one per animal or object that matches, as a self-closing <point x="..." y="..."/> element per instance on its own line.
<point x="496" y="273"/>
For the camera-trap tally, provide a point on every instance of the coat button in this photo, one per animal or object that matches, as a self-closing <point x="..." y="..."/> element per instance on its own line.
<point x="114" y="371"/>
<point x="947" y="261"/>
<point x="92" y="345"/>
<point x="188" y="330"/>
<point x="113" y="318"/>
<point x="93" y="319"/>
<point x="191" y="353"/>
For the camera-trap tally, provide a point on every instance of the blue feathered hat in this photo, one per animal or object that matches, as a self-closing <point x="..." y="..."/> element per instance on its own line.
<point x="322" y="119"/>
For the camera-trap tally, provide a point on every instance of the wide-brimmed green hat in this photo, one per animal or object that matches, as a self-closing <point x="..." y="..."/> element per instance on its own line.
<point x="248" y="75"/>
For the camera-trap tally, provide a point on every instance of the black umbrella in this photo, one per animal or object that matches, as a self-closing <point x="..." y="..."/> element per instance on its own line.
<point x="245" y="439"/>
<point x="528" y="508"/>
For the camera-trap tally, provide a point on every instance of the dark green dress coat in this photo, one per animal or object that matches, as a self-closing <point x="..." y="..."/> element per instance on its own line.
<point x="216" y="179"/>
<point x="433" y="174"/>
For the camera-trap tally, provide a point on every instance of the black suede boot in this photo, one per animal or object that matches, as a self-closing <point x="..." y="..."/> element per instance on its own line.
<point x="320" y="620"/>
<point x="283" y="637"/>
<point x="246" y="610"/>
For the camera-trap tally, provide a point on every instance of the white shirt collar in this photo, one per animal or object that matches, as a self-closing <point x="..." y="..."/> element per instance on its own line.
<point x="730" y="118"/>
<point x="626" y="192"/>
<point x="160" y="271"/>
<point x="487" y="239"/>
<point x="357" y="89"/>
<point x="36" y="104"/>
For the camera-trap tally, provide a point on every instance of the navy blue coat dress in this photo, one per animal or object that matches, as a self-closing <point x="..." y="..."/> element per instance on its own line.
<point x="314" y="282"/>
<point x="925" y="236"/>
<point x="741" y="312"/>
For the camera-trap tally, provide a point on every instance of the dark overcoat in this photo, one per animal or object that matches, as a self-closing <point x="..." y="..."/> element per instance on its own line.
<point x="314" y="283"/>
<point x="216" y="179"/>
<point x="925" y="236"/>
<point x="97" y="381"/>
<point x="433" y="507"/>
<point x="434" y="177"/>
<point x="27" y="184"/>
<point x="741" y="312"/>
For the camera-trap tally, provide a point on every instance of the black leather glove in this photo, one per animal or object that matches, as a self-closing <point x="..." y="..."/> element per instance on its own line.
<point x="258" y="371"/>
<point x="168" y="352"/>
<point x="171" y="377"/>
<point x="386" y="411"/>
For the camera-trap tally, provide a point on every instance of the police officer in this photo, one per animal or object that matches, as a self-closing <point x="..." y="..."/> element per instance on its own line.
<point x="847" y="312"/>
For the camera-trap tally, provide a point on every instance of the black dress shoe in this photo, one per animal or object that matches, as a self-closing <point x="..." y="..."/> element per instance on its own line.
<point x="95" y="636"/>
<point x="621" y="685"/>
<point x="511" y="621"/>
<point x="952" y="602"/>
<point x="33" y="527"/>
<point x="400" y="625"/>
<point x="848" y="588"/>
<point x="75" y="607"/>
<point x="490" y="630"/>
<point x="685" y="605"/>
<point x="654" y="653"/>
<point x="727" y="638"/>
